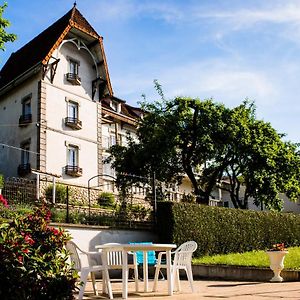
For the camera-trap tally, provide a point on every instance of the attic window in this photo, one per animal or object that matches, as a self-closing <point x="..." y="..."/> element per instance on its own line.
<point x="115" y="106"/>
<point x="73" y="75"/>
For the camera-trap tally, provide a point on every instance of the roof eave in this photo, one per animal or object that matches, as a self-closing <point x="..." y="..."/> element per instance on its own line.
<point x="21" y="78"/>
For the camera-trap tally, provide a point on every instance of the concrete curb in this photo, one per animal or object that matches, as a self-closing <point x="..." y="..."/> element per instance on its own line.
<point x="240" y="273"/>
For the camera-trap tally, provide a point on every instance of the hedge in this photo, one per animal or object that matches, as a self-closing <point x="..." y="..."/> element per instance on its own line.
<point x="223" y="230"/>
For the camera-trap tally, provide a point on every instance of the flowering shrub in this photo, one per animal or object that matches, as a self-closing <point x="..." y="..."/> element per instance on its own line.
<point x="33" y="260"/>
<point x="278" y="247"/>
<point x="3" y="201"/>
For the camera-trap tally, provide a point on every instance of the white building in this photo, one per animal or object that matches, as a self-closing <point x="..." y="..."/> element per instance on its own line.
<point x="53" y="92"/>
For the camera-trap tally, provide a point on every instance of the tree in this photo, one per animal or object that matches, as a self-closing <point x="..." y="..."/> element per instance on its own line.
<point x="4" y="23"/>
<point x="230" y="148"/>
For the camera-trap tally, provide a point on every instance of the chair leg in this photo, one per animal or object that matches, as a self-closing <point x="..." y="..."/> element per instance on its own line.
<point x="83" y="278"/>
<point x="178" y="281"/>
<point x="94" y="283"/>
<point x="189" y="274"/>
<point x="157" y="269"/>
<point x="106" y="284"/>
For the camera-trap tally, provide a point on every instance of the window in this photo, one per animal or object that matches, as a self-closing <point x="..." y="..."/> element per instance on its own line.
<point x="25" y="168"/>
<point x="73" y="75"/>
<point x="74" y="66"/>
<point x="72" y="167"/>
<point x="107" y="169"/>
<point x="72" y="156"/>
<point x="26" y="116"/>
<point x="72" y="119"/>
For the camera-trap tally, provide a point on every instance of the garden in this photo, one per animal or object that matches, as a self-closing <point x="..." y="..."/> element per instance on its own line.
<point x="33" y="260"/>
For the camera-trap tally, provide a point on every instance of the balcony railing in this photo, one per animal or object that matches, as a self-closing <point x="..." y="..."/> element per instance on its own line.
<point x="73" y="123"/>
<point x="24" y="169"/>
<point x="74" y="171"/>
<point x="73" y="78"/>
<point x="25" y="119"/>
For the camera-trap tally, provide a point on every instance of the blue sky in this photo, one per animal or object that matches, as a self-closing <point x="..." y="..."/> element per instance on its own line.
<point x="225" y="49"/>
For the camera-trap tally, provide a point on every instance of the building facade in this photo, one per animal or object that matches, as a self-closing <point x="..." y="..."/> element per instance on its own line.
<point x="57" y="109"/>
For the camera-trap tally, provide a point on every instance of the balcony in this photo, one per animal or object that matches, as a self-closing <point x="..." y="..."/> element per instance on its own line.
<point x="24" y="120"/>
<point x="73" y="78"/>
<point x="73" y="171"/>
<point x="24" y="169"/>
<point x="73" y="123"/>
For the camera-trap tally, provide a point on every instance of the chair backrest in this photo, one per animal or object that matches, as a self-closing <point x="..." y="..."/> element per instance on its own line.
<point x="74" y="256"/>
<point x="114" y="258"/>
<point x="183" y="254"/>
<point x="151" y="258"/>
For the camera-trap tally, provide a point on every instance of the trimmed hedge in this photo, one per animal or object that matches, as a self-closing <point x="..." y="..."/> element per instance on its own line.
<point x="223" y="230"/>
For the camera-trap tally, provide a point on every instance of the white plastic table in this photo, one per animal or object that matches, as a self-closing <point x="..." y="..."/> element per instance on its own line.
<point x="144" y="248"/>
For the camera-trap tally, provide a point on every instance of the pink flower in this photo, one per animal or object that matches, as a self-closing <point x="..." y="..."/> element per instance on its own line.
<point x="29" y="240"/>
<point x="3" y="201"/>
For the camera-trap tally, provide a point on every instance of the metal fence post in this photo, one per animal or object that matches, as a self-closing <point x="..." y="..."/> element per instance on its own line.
<point x="67" y="202"/>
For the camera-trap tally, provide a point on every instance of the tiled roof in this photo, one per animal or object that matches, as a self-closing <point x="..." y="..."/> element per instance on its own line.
<point x="40" y="47"/>
<point x="126" y="110"/>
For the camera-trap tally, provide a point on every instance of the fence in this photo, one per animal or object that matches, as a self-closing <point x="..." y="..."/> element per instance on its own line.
<point x="20" y="190"/>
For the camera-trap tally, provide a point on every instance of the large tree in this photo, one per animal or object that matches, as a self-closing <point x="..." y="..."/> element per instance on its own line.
<point x="4" y="23"/>
<point x="230" y="148"/>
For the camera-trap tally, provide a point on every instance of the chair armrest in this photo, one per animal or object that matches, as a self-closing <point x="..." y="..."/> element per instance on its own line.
<point x="159" y="257"/>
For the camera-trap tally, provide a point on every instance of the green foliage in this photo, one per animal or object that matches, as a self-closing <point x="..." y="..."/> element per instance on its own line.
<point x="4" y="23"/>
<point x="60" y="193"/>
<point x="106" y="199"/>
<point x="134" y="212"/>
<point x="33" y="260"/>
<point x="13" y="210"/>
<point x="223" y="230"/>
<point x="244" y="156"/>
<point x="188" y="198"/>
<point x="1" y="181"/>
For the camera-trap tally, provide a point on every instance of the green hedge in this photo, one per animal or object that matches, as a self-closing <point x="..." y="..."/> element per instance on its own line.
<point x="223" y="230"/>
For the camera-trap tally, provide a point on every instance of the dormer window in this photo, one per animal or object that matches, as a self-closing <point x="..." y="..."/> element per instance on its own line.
<point x="73" y="75"/>
<point x="115" y="106"/>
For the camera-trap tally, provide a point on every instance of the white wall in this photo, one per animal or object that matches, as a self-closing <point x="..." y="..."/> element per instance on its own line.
<point x="11" y="133"/>
<point x="58" y="135"/>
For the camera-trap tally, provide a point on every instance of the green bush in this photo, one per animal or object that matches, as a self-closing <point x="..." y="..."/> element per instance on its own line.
<point x="1" y="181"/>
<point x="222" y="230"/>
<point x="106" y="199"/>
<point x="33" y="259"/>
<point x="60" y="193"/>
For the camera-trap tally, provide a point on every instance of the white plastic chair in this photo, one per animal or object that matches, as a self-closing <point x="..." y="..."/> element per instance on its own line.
<point x="182" y="261"/>
<point x="74" y="252"/>
<point x="114" y="261"/>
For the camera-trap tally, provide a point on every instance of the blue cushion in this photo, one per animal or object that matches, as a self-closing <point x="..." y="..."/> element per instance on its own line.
<point x="140" y="255"/>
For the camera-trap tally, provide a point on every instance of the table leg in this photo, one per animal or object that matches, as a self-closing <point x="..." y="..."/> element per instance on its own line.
<point x="145" y="271"/>
<point x="169" y="273"/>
<point x="125" y="275"/>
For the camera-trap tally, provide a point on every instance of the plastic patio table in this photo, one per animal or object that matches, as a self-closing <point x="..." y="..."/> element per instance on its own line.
<point x="125" y="248"/>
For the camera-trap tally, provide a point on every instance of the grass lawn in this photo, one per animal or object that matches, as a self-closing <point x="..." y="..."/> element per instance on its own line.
<point x="253" y="259"/>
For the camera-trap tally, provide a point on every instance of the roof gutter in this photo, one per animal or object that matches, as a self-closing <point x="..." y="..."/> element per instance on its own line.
<point x="21" y="78"/>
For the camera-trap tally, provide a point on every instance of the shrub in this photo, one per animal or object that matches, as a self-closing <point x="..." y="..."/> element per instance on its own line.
<point x="222" y="230"/>
<point x="1" y="181"/>
<point x="33" y="259"/>
<point x="106" y="199"/>
<point x="60" y="193"/>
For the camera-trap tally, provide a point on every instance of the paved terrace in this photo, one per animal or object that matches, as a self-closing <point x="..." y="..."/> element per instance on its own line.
<point x="207" y="290"/>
